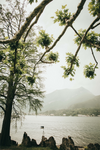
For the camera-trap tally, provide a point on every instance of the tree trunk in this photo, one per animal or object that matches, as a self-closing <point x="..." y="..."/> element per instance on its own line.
<point x="5" y="133"/>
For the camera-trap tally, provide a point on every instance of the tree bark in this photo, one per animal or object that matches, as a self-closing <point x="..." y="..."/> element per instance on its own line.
<point x="5" y="133"/>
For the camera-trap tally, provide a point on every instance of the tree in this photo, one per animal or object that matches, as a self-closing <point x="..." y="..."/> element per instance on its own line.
<point x="84" y="37"/>
<point x="20" y="83"/>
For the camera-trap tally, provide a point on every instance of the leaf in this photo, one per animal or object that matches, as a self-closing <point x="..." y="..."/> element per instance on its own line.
<point x="64" y="6"/>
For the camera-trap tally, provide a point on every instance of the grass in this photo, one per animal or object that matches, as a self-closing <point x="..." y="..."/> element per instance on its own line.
<point x="24" y="148"/>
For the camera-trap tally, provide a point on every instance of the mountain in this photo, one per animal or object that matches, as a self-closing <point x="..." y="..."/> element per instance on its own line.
<point x="92" y="103"/>
<point x="63" y="99"/>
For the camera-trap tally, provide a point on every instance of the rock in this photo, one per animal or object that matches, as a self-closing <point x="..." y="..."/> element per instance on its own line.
<point x="52" y="143"/>
<point x="70" y="141"/>
<point x="14" y="143"/>
<point x="93" y="146"/>
<point x="33" y="143"/>
<point x="97" y="146"/>
<point x="67" y="144"/>
<point x="27" y="141"/>
<point x="42" y="143"/>
<point x="48" y="142"/>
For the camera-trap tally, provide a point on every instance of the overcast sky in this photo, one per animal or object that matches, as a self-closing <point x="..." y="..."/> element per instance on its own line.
<point x="53" y="79"/>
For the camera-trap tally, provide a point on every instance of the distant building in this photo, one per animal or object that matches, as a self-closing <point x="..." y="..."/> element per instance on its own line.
<point x="51" y="114"/>
<point x="80" y="115"/>
<point x="64" y="114"/>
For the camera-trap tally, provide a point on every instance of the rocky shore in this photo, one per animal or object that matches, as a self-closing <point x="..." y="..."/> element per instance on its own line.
<point x="67" y="143"/>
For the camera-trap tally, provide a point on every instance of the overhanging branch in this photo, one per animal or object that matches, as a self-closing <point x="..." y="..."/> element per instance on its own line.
<point x="37" y="17"/>
<point x="27" y="22"/>
<point x="92" y="44"/>
<point x="83" y="38"/>
<point x="68" y="23"/>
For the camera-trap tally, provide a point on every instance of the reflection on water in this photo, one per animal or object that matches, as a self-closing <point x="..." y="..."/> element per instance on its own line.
<point x="83" y="130"/>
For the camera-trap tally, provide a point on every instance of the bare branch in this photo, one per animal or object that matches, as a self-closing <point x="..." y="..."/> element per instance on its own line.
<point x="96" y="25"/>
<point x="27" y="22"/>
<point x="3" y="96"/>
<point x="37" y="17"/>
<point x="94" y="58"/>
<point x="3" y="108"/>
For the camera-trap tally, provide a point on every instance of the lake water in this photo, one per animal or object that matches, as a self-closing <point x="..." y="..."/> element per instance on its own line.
<point x="83" y="130"/>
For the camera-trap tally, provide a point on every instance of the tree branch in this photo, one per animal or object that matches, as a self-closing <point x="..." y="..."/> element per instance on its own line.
<point x="3" y="109"/>
<point x="3" y="96"/>
<point x="94" y="58"/>
<point x="68" y="23"/>
<point x="4" y="78"/>
<point x="37" y="17"/>
<point x="84" y="38"/>
<point x="27" y="22"/>
<point x="47" y="62"/>
<point x="96" y="25"/>
<point x="82" y="41"/>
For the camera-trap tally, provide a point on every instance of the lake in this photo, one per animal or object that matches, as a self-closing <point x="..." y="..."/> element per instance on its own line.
<point x="83" y="130"/>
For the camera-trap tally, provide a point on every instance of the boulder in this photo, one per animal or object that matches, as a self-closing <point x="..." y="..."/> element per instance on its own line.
<point x="14" y="143"/>
<point x="26" y="140"/>
<point x="93" y="146"/>
<point x="48" y="142"/>
<point x="97" y="146"/>
<point x="33" y="143"/>
<point x="68" y="144"/>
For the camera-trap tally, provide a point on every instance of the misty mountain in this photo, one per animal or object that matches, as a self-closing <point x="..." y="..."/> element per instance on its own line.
<point x="63" y="99"/>
<point x="92" y="103"/>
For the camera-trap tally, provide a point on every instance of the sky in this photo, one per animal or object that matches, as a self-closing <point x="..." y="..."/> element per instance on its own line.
<point x="52" y="74"/>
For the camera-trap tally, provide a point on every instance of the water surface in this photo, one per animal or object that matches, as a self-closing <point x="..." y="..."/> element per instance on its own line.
<point x="83" y="130"/>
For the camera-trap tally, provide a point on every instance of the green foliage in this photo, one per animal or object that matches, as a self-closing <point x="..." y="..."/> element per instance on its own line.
<point x="89" y="71"/>
<point x="44" y="40"/>
<point x="71" y="59"/>
<point x="20" y="147"/>
<point x="70" y="71"/>
<point x="2" y="55"/>
<point x="15" y="45"/>
<point x="94" y="7"/>
<point x="62" y="16"/>
<point x="92" y="37"/>
<point x="31" y="80"/>
<point x="32" y="1"/>
<point x="52" y="56"/>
